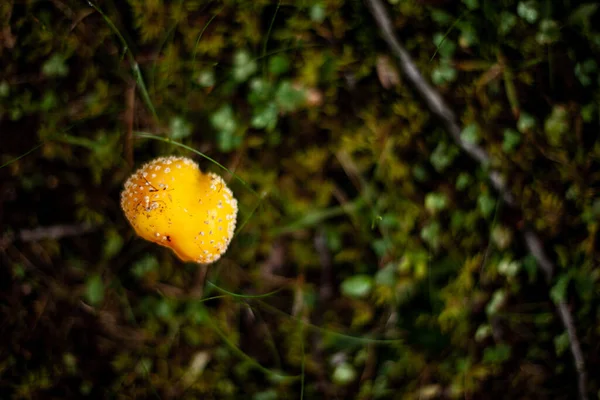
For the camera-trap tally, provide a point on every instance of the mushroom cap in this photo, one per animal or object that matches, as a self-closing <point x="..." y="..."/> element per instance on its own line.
<point x="171" y="202"/>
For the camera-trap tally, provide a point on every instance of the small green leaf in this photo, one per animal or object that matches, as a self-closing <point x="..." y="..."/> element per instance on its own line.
<point x="431" y="234"/>
<point x="420" y="173"/>
<point x="144" y="266"/>
<point x="457" y="220"/>
<point x="144" y="366"/>
<point x="558" y="292"/>
<point x="483" y="332"/>
<point x="468" y="35"/>
<point x="498" y="354"/>
<point x="526" y="122"/>
<point x="344" y="374"/>
<point x="471" y="4"/>
<point x="261" y="91"/>
<point x="228" y="141"/>
<point x="266" y="395"/>
<point x="511" y="141"/>
<point x="206" y="78"/>
<point x="113" y="244"/>
<point x="55" y="66"/>
<point x="582" y="14"/>
<point x="265" y="117"/>
<point x="164" y="309"/>
<point x="435" y="202"/>
<point x="279" y="64"/>
<point x="357" y="286"/>
<point x="486" y="204"/>
<point x="507" y="23"/>
<point x="442" y="156"/>
<point x="528" y="11"/>
<point x="441" y="17"/>
<point x="549" y="32"/>
<point x="584" y="70"/>
<point x="556" y="126"/>
<point x="70" y="362"/>
<point x="381" y="246"/>
<point x="179" y="128"/>
<point x="588" y="111"/>
<point x="443" y="73"/>
<point x="470" y="134"/>
<point x="501" y="236"/>
<point x="19" y="271"/>
<point x="317" y="13"/>
<point x="4" y="89"/>
<point x="49" y="101"/>
<point x="289" y="98"/>
<point x="508" y="268"/>
<point x="496" y="303"/>
<point x="445" y="46"/>
<point x="387" y="275"/>
<point x="16" y="114"/>
<point x="463" y="181"/>
<point x="334" y="240"/>
<point x="561" y="343"/>
<point x="196" y="312"/>
<point x="243" y="66"/>
<point x="224" y="119"/>
<point x="94" y="290"/>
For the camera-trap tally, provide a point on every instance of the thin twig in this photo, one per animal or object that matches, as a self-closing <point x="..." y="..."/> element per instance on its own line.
<point x="438" y="107"/>
<point x="536" y="248"/>
<point x="54" y="232"/>
<point x="433" y="99"/>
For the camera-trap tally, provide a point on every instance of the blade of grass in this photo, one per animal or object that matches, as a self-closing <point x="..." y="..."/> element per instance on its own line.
<point x="134" y="65"/>
<point x="351" y="338"/>
<point x="202" y="33"/>
<point x="447" y="33"/>
<point x="317" y="216"/>
<point x="161" y="46"/>
<point x="269" y="340"/>
<point x="76" y="141"/>
<point x="243" y="355"/>
<point x="247" y="219"/>
<point x="243" y="296"/>
<point x="264" y="49"/>
<point x="22" y="155"/>
<point x="144" y="135"/>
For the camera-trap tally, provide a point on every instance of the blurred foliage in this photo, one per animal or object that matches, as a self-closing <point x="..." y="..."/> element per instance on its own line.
<point x="391" y="268"/>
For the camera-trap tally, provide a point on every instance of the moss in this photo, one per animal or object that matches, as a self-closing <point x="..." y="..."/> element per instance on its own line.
<point x="326" y="147"/>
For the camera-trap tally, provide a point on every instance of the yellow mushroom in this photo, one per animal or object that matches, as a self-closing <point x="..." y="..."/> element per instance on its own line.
<point x="171" y="202"/>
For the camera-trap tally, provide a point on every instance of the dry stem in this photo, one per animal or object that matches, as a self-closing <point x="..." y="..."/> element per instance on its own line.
<point x="438" y="107"/>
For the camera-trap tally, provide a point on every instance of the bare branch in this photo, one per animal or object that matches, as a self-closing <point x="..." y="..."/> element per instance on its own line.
<point x="54" y="232"/>
<point x="567" y="318"/>
<point x="535" y="247"/>
<point x="437" y="106"/>
<point x="435" y="102"/>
